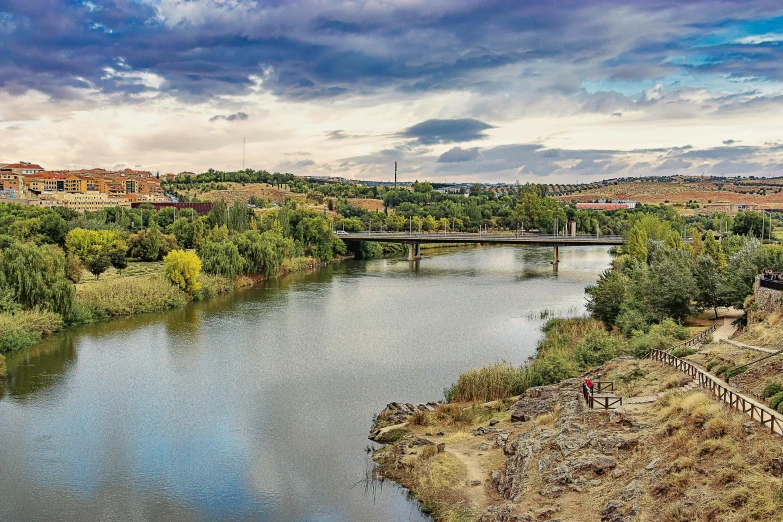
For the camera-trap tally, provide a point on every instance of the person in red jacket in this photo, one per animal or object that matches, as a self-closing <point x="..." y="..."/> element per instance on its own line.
<point x="589" y="385"/>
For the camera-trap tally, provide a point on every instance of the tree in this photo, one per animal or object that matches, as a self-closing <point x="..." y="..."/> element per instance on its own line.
<point x="98" y="264"/>
<point x="116" y="253"/>
<point x="607" y="295"/>
<point x="34" y="276"/>
<point x="714" y="249"/>
<point x="670" y="286"/>
<point x="221" y="258"/>
<point x="708" y="283"/>
<point x="182" y="269"/>
<point x="182" y="230"/>
<point x="748" y="224"/>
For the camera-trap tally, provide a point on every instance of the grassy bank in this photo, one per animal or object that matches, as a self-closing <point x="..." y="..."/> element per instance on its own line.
<point x="138" y="291"/>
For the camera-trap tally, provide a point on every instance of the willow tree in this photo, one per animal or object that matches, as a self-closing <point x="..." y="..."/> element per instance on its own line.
<point x="35" y="277"/>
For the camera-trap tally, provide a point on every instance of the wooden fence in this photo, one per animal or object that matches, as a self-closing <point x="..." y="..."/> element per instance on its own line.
<point x="699" y="338"/>
<point x="606" y="402"/>
<point x="604" y="386"/>
<point x="765" y="416"/>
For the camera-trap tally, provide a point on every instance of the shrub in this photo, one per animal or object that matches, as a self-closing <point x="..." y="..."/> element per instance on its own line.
<point x="771" y="389"/>
<point x="776" y="400"/>
<point x="683" y="351"/>
<point x="596" y="348"/>
<point x="3" y="370"/>
<point x="23" y="329"/>
<point x="731" y="372"/>
<point x="182" y="269"/>
<point x="721" y="369"/>
<point x="212" y="285"/>
<point x="712" y="364"/>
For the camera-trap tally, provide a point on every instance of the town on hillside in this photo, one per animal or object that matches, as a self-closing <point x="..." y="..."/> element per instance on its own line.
<point x="84" y="190"/>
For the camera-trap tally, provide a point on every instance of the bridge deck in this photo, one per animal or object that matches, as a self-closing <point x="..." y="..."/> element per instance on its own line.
<point x="508" y="239"/>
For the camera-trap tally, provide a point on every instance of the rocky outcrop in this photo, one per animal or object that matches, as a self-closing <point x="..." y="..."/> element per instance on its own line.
<point x="397" y="413"/>
<point x="566" y="458"/>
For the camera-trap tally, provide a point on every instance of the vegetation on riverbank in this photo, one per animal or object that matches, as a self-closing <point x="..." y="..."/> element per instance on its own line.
<point x="44" y="254"/>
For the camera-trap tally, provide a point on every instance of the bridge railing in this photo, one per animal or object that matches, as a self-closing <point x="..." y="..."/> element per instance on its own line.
<point x="736" y="401"/>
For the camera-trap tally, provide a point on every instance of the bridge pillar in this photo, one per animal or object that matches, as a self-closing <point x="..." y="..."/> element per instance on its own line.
<point x="555" y="259"/>
<point x="414" y="251"/>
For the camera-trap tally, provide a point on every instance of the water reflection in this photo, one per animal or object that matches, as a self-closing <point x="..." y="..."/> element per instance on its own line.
<point x="256" y="406"/>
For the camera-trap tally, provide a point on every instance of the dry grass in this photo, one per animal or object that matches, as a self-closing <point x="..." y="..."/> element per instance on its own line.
<point x="436" y="479"/>
<point x="23" y="329"/>
<point x="489" y="383"/>
<point x="767" y="334"/>
<point x="128" y="296"/>
<point x="717" y="472"/>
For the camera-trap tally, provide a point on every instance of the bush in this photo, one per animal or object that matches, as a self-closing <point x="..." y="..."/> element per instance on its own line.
<point x="212" y="285"/>
<point x="776" y="400"/>
<point x="3" y="370"/>
<point x="596" y="348"/>
<point x="771" y="389"/>
<point x="712" y="364"/>
<point x="780" y="407"/>
<point x="683" y="351"/>
<point x="731" y="372"/>
<point x="23" y="329"/>
<point x="721" y="369"/>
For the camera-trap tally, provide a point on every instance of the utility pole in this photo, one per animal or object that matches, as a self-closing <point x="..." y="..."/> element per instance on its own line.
<point x="395" y="175"/>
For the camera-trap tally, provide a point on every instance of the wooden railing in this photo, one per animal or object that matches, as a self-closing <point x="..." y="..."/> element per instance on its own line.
<point x="604" y="386"/>
<point x="606" y="402"/>
<point x="696" y="339"/>
<point x="765" y="416"/>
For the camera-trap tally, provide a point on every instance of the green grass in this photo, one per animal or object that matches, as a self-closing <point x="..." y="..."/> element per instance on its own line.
<point x="19" y="330"/>
<point x="135" y="269"/>
<point x="130" y="295"/>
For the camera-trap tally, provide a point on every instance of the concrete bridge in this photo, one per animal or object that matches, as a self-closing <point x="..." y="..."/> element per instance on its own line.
<point x="415" y="240"/>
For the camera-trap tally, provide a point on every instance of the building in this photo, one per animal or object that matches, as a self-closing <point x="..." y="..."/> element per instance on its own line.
<point x="610" y="205"/>
<point x="11" y="181"/>
<point x="90" y="201"/>
<point x="44" y="182"/>
<point x="76" y="184"/>
<point x="22" y="168"/>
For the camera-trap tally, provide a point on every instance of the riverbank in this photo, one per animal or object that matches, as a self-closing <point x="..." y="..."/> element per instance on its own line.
<point x="671" y="453"/>
<point x="504" y="449"/>
<point x="116" y="297"/>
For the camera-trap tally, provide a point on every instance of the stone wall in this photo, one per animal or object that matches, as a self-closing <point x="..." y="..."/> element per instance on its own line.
<point x="765" y="301"/>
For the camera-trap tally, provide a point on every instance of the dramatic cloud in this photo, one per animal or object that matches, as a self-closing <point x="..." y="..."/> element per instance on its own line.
<point x="458" y="154"/>
<point x="446" y="131"/>
<point x="241" y="116"/>
<point x="567" y="89"/>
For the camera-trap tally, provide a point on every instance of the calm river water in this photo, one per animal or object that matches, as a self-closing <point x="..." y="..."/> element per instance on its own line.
<point x="257" y="406"/>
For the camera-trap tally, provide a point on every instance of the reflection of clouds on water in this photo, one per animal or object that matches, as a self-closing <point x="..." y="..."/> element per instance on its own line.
<point x="257" y="405"/>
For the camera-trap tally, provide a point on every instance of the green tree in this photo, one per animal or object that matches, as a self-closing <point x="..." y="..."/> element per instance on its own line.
<point x="748" y="224"/>
<point x="182" y="268"/>
<point x="35" y="277"/>
<point x="98" y="264"/>
<point x="713" y="248"/>
<point x="221" y="258"/>
<point x="670" y="286"/>
<point x="708" y="284"/>
<point x="607" y="295"/>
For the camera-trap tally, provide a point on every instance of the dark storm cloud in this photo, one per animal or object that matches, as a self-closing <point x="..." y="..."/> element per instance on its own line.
<point x="241" y="116"/>
<point x="307" y="49"/>
<point x="430" y="132"/>
<point x="458" y="154"/>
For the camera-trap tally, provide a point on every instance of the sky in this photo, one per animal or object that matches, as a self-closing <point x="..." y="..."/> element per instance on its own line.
<point x="453" y="90"/>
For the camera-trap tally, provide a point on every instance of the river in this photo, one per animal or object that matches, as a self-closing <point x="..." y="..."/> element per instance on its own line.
<point x="256" y="406"/>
